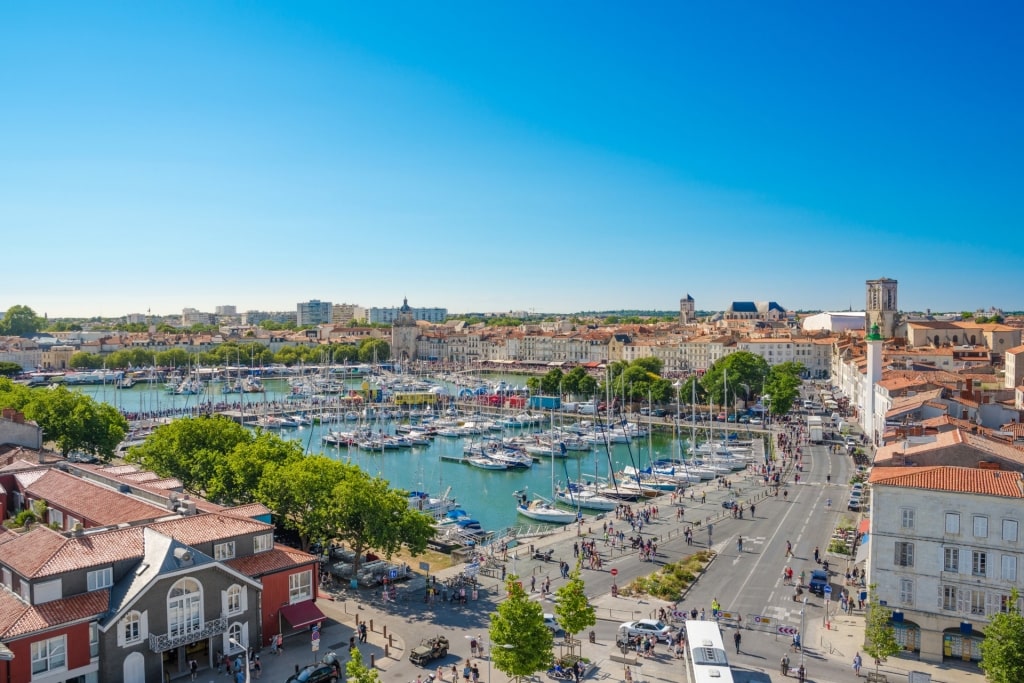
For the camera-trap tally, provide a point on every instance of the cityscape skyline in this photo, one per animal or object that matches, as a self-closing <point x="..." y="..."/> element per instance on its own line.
<point x="496" y="158"/>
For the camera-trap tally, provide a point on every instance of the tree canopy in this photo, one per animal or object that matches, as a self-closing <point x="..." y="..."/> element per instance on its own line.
<point x="1002" y="650"/>
<point x="371" y="350"/>
<point x="879" y="635"/>
<point x="740" y="371"/>
<point x="75" y="422"/>
<point x="9" y="369"/>
<point x="783" y="386"/>
<point x="575" y="613"/>
<point x="20" y="321"/>
<point x="521" y="644"/>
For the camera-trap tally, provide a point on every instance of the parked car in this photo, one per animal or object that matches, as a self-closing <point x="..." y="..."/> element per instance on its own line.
<point x="728" y="504"/>
<point x="315" y="673"/>
<point x="755" y="420"/>
<point x="819" y="579"/>
<point x="854" y="505"/>
<point x="644" y="627"/>
<point x="552" y="623"/>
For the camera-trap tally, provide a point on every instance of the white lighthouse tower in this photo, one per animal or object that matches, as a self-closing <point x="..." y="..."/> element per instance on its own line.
<point x="874" y="374"/>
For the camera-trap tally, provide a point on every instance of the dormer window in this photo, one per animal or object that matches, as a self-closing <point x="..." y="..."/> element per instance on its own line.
<point x="262" y="543"/>
<point x="224" y="551"/>
<point x="101" y="578"/>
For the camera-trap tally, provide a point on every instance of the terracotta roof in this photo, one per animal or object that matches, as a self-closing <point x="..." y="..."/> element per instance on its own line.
<point x="281" y="557"/>
<point x="1015" y="428"/>
<point x="206" y="528"/>
<point x="247" y="511"/>
<point x="57" y="612"/>
<point x="952" y="479"/>
<point x="90" y="501"/>
<point x="94" y="550"/>
<point x="11" y="609"/>
<point x="32" y="549"/>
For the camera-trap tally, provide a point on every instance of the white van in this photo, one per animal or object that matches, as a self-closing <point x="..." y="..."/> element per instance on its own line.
<point x="587" y="408"/>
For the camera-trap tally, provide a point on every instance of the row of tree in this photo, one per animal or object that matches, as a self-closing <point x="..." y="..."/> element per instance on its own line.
<point x="232" y="353"/>
<point x="73" y="422"/>
<point x="318" y="498"/>
<point x="748" y="375"/>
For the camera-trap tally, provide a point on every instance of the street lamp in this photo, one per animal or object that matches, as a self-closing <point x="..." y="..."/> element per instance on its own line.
<point x="803" y="622"/>
<point x="245" y="652"/>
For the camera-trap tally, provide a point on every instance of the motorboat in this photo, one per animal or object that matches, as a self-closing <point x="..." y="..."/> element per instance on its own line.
<point x="542" y="510"/>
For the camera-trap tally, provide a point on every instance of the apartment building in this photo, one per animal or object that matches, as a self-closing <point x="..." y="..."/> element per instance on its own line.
<point x="944" y="551"/>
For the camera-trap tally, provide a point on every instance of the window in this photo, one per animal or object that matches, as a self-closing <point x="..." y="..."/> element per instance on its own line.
<point x="951" y="559"/>
<point x="235" y="634"/>
<point x="55" y="517"/>
<point x="979" y="563"/>
<point x="978" y="602"/>
<point x="73" y="522"/>
<point x="48" y="655"/>
<point x="8" y="579"/>
<point x="1010" y="530"/>
<point x="952" y="523"/>
<point x="26" y="590"/>
<point x="949" y="597"/>
<point x="131" y="628"/>
<point x="234" y="599"/>
<point x="904" y="554"/>
<point x="1009" y="567"/>
<point x="184" y="608"/>
<point x="300" y="586"/>
<point x="224" y="551"/>
<point x="907" y="591"/>
<point x="262" y="543"/>
<point x="981" y="526"/>
<point x="907" y="518"/>
<point x="94" y="639"/>
<point x="101" y="578"/>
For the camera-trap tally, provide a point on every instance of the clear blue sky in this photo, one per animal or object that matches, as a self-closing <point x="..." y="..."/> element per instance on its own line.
<point x="555" y="156"/>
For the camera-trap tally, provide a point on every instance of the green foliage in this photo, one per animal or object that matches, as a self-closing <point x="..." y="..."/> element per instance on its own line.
<point x="357" y="672"/>
<point x="551" y="382"/>
<point x="81" y="360"/>
<point x="18" y="522"/>
<point x="192" y="450"/>
<point x="374" y="350"/>
<point x="571" y="381"/>
<point x="13" y="395"/>
<point x="741" y="370"/>
<point x="533" y="385"/>
<point x="20" y="321"/>
<point x="879" y="635"/>
<point x="173" y="358"/>
<point x="587" y="386"/>
<point x="368" y="514"/>
<point x="1002" y="650"/>
<point x="783" y="386"/>
<point x="573" y="610"/>
<point x="692" y="391"/>
<point x="8" y="369"/>
<point x="521" y="645"/>
<point x="671" y="580"/>
<point x="640" y="381"/>
<point x="75" y="422"/>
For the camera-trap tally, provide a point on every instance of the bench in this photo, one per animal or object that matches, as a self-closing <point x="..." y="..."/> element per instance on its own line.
<point x="874" y="677"/>
<point x="623" y="659"/>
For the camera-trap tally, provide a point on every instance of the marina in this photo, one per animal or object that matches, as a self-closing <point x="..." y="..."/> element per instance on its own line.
<point x="482" y="455"/>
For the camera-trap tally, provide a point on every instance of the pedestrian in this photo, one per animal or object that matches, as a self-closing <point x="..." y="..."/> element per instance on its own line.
<point x="472" y="646"/>
<point x="533" y="584"/>
<point x="220" y="660"/>
<point x="193" y="668"/>
<point x="440" y="674"/>
<point x="476" y="673"/>
<point x="857" y="662"/>
<point x="455" y="673"/>
<point x="736" y="637"/>
<point x="227" y="665"/>
<point x="362" y="632"/>
<point x="628" y="675"/>
<point x="257" y="666"/>
<point x="279" y="643"/>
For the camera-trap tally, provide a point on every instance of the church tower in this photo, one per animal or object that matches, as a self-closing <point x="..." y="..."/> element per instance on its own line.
<point x="687" y="310"/>
<point x="881" y="308"/>
<point x="403" y="334"/>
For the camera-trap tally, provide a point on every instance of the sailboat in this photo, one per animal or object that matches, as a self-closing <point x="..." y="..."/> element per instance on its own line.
<point x="543" y="510"/>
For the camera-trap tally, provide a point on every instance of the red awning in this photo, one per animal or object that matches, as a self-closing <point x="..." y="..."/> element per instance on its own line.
<point x="302" y="614"/>
<point x="864" y="526"/>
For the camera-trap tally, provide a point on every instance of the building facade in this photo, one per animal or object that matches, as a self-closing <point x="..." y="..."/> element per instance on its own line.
<point x="882" y="308"/>
<point x="312" y="312"/>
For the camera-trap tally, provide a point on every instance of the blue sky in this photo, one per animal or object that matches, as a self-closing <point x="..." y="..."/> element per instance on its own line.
<point x="509" y="156"/>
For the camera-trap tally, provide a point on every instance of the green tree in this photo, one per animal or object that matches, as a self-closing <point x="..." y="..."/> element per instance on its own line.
<point x="533" y="384"/>
<point x="172" y="358"/>
<point x="192" y="449"/>
<point x="8" y="369"/>
<point x="571" y="381"/>
<point x="879" y="635"/>
<point x="551" y="382"/>
<point x="741" y="367"/>
<point x="651" y="364"/>
<point x="374" y="350"/>
<point x="692" y="391"/>
<point x="369" y="514"/>
<point x="82" y="360"/>
<point x="521" y="645"/>
<point x="20" y="321"/>
<point x="14" y="395"/>
<point x="1002" y="650"/>
<point x="783" y="385"/>
<point x="301" y="494"/>
<point x="237" y="475"/>
<point x="75" y="422"/>
<point x="357" y="672"/>
<point x="575" y="613"/>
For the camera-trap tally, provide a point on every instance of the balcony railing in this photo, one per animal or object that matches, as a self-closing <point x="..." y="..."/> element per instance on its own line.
<point x="163" y="642"/>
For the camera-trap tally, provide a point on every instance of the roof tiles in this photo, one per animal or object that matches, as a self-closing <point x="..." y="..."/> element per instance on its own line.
<point x="951" y="479"/>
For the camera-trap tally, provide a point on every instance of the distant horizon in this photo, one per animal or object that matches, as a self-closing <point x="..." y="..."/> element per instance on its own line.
<point x="509" y="156"/>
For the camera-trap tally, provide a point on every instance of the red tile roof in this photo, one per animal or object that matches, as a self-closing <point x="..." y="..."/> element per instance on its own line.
<point x="95" y="550"/>
<point x="952" y="479"/>
<point x="98" y="504"/>
<point x="281" y="557"/>
<point x="247" y="511"/>
<point x="58" y="612"/>
<point x="32" y="549"/>
<point x="206" y="528"/>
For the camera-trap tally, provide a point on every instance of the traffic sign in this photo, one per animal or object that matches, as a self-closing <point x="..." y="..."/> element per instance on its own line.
<point x="828" y="590"/>
<point x="316" y="636"/>
<point x="393" y="574"/>
<point x="788" y="630"/>
<point x="614" y="571"/>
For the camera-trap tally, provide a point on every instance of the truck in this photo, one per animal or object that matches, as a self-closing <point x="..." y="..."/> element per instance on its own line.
<point x="545" y="402"/>
<point x="428" y="650"/>
<point x="815" y="433"/>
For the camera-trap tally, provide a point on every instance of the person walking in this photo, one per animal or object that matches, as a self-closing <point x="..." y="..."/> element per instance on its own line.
<point x="193" y="669"/>
<point x="736" y="637"/>
<point x="857" y="662"/>
<point x="789" y="549"/>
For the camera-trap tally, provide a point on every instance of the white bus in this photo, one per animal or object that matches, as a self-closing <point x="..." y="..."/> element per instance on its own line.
<point x="705" y="652"/>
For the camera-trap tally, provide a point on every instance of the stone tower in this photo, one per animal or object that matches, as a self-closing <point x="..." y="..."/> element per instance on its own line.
<point x="881" y="308"/>
<point x="403" y="334"/>
<point x="687" y="310"/>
